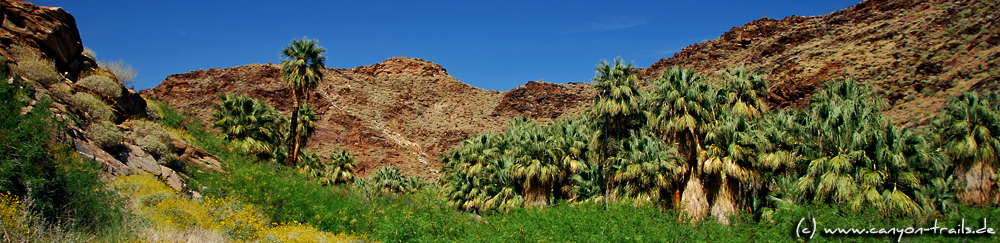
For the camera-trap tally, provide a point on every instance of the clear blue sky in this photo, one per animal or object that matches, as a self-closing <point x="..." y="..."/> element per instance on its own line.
<point x="495" y="45"/>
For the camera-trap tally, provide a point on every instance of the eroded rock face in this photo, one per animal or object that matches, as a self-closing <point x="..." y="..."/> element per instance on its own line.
<point x="195" y="156"/>
<point x="88" y="150"/>
<point x="51" y="30"/>
<point x="137" y="159"/>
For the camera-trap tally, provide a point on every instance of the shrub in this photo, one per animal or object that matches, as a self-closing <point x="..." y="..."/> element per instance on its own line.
<point x="153" y="111"/>
<point x="386" y="180"/>
<point x="152" y="138"/>
<point x="41" y="71"/>
<point x="22" y="53"/>
<point x="123" y="71"/>
<point x="93" y="108"/>
<point x="87" y="52"/>
<point x="102" y="84"/>
<point x="105" y="134"/>
<point x="61" y="91"/>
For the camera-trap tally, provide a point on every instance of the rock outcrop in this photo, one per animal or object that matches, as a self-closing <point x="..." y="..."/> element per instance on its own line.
<point x="52" y="30"/>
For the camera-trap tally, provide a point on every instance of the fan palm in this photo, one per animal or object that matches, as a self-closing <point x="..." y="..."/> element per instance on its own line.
<point x="742" y="90"/>
<point x="616" y="110"/>
<point x="569" y="145"/>
<point x="646" y="169"/>
<point x="477" y="175"/>
<point x="733" y="150"/>
<point x="339" y="170"/>
<point x="302" y="73"/>
<point x="254" y="127"/>
<point x="536" y="164"/>
<point x="860" y="158"/>
<point x="970" y="132"/>
<point x="681" y="108"/>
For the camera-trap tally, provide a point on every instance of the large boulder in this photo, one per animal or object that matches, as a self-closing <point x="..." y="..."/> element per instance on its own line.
<point x="52" y="30"/>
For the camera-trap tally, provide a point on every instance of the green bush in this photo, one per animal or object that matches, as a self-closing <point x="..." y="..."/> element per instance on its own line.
<point x="41" y="71"/>
<point x="102" y="84"/>
<point x="93" y="108"/>
<point x="152" y="138"/>
<point x="153" y="111"/>
<point x="105" y="134"/>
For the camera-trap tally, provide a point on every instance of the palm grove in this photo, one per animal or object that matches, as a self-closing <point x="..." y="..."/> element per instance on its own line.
<point x="703" y="147"/>
<point x="712" y="148"/>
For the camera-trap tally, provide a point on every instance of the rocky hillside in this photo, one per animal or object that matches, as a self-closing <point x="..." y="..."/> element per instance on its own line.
<point x="404" y="111"/>
<point x="918" y="52"/>
<point x="408" y="112"/>
<point x="103" y="120"/>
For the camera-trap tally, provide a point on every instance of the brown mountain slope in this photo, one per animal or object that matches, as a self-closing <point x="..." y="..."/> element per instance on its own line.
<point x="918" y="52"/>
<point x="403" y="111"/>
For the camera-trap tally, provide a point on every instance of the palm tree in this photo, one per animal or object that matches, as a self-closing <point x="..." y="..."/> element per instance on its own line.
<point x="859" y="158"/>
<point x="646" y="169"/>
<point x="733" y="163"/>
<point x="477" y="175"/>
<point x="302" y="73"/>
<point x="742" y="90"/>
<point x="970" y="132"/>
<point x="569" y="144"/>
<point x="387" y="180"/>
<point x="681" y="108"/>
<point x="535" y="164"/>
<point x="254" y="127"/>
<point x="616" y="110"/>
<point x="341" y="168"/>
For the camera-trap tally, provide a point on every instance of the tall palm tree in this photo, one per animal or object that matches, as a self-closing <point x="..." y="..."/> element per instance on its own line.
<point x="616" y="110"/>
<point x="254" y="127"/>
<point x="302" y="72"/>
<point x="733" y="164"/>
<point x="681" y="108"/>
<point x="970" y="132"/>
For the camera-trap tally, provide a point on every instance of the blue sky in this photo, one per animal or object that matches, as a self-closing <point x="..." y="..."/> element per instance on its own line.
<point x="494" y="45"/>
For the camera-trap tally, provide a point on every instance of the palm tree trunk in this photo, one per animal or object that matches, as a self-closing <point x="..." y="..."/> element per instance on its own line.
<point x="724" y="204"/>
<point x="979" y="181"/>
<point x="293" y="141"/>
<point x="693" y="199"/>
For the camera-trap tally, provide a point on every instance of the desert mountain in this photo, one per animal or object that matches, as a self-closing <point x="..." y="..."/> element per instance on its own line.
<point x="408" y="112"/>
<point x="918" y="52"/>
<point x="404" y="111"/>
